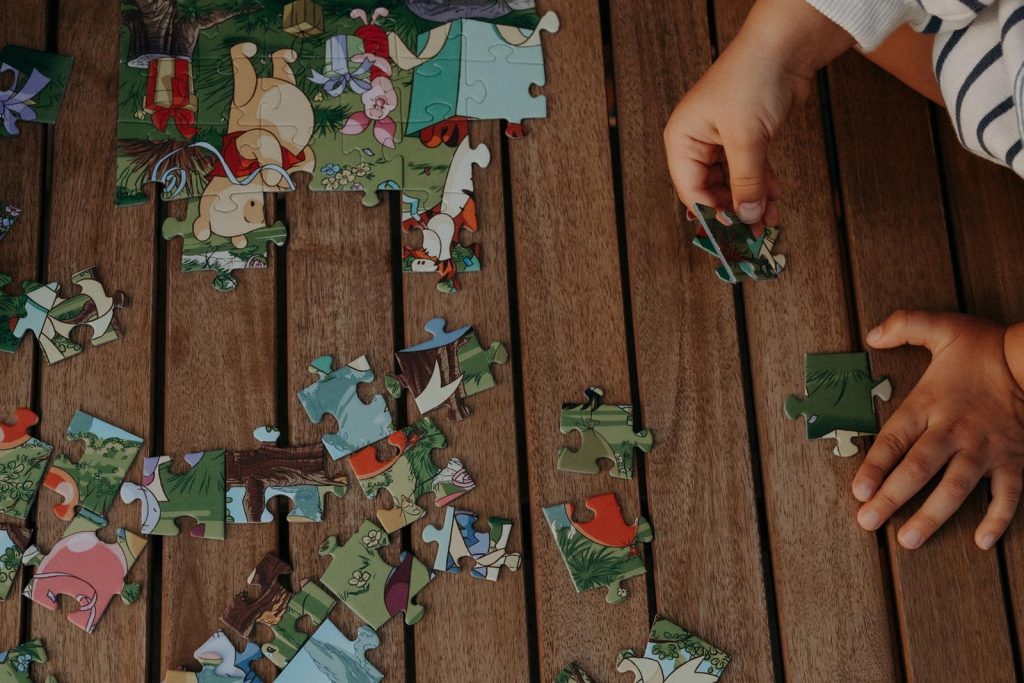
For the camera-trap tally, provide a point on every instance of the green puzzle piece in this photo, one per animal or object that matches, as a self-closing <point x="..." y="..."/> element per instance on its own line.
<point x="606" y="432"/>
<point x="13" y="541"/>
<point x="573" y="673"/>
<point x="167" y="496"/>
<point x="312" y="601"/>
<point x="742" y="255"/>
<point x="672" y="654"/>
<point x="36" y="89"/>
<point x="23" y="460"/>
<point x="16" y="662"/>
<point x="839" y="402"/>
<point x="371" y="587"/>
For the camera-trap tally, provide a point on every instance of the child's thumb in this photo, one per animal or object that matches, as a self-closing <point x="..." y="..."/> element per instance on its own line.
<point x="918" y="328"/>
<point x="748" y="166"/>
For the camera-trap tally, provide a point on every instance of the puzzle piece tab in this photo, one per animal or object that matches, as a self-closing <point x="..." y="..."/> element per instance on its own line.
<point x="295" y="472"/>
<point x="335" y="394"/>
<point x="23" y="461"/>
<point x="372" y="588"/>
<point x="673" y="654"/>
<point x="93" y="481"/>
<point x="602" y="552"/>
<point x="35" y="87"/>
<point x="457" y="539"/>
<point x="16" y="663"/>
<point x="220" y="663"/>
<point x="13" y="541"/>
<point x="606" y="433"/>
<point x="328" y="654"/>
<point x="410" y="474"/>
<point x="83" y="567"/>
<point x="166" y="496"/>
<point x="742" y="255"/>
<point x="446" y="369"/>
<point x="840" y="399"/>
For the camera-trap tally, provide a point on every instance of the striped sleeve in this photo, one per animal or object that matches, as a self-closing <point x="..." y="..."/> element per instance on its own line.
<point x="870" y="23"/>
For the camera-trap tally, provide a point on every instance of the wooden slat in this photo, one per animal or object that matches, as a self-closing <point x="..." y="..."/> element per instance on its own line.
<point x="339" y="303"/>
<point x="833" y="617"/>
<point x="894" y="207"/>
<point x="112" y="382"/>
<point x="700" y="487"/>
<point x="987" y="209"/>
<point x="462" y="609"/>
<point x="572" y="330"/>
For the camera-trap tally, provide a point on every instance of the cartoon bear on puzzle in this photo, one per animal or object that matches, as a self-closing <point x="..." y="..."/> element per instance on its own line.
<point x="267" y="140"/>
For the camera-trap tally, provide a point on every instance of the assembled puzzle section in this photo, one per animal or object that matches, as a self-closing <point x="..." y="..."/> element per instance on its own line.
<point x="93" y="481"/>
<point x="372" y="588"/>
<point x="410" y="474"/>
<point x="457" y="539"/>
<point x="447" y="369"/>
<point x="9" y="215"/>
<point x="32" y="85"/>
<point x="673" y="654"/>
<point x="220" y="663"/>
<point x="606" y="433"/>
<point x="742" y="255"/>
<point x="16" y="663"/>
<point x="84" y="568"/>
<point x="603" y="552"/>
<point x="335" y="393"/>
<point x="23" y="460"/>
<point x="13" y="542"/>
<point x="165" y="496"/>
<point x="294" y="472"/>
<point x="839" y="402"/>
<point x="328" y="656"/>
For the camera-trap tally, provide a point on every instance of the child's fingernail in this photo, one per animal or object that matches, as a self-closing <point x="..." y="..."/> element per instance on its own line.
<point x="750" y="212"/>
<point x="863" y="490"/>
<point x="874" y="335"/>
<point x="869" y="520"/>
<point x="910" y="538"/>
<point x="987" y="541"/>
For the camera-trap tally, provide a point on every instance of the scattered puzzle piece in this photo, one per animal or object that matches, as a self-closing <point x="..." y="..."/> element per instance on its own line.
<point x="328" y="657"/>
<point x="295" y="472"/>
<point x="243" y="612"/>
<point x="92" y="483"/>
<point x="674" y="655"/>
<point x="606" y="432"/>
<point x="13" y="541"/>
<point x="602" y="552"/>
<point x="9" y="215"/>
<point x="573" y="673"/>
<point x="410" y="474"/>
<point x="742" y="255"/>
<point x="335" y="394"/>
<point x="12" y="310"/>
<point x="839" y="403"/>
<point x="32" y="86"/>
<point x="311" y="601"/>
<point x="16" y="663"/>
<point x="220" y="663"/>
<point x="85" y="568"/>
<point x="446" y="369"/>
<point x="372" y="588"/>
<point x="457" y="539"/>
<point x="23" y="460"/>
<point x="166" y="496"/>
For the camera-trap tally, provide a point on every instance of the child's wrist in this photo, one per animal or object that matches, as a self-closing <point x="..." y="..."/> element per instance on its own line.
<point x="800" y="37"/>
<point x="1013" y="350"/>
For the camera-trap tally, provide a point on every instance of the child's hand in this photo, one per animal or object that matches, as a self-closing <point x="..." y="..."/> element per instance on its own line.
<point x="965" y="414"/>
<point x="717" y="138"/>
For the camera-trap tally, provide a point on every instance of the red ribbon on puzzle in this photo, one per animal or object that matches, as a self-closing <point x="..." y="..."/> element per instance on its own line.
<point x="169" y="95"/>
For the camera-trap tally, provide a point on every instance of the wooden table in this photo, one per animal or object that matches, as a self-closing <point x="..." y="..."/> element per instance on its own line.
<point x="590" y="279"/>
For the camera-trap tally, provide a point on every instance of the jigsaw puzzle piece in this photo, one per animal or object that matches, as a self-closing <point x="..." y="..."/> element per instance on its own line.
<point x="267" y="607"/>
<point x="13" y="541"/>
<point x="742" y="254"/>
<point x="294" y="472"/>
<point x="13" y="310"/>
<point x="372" y="588"/>
<point x="311" y="601"/>
<point x="458" y="539"/>
<point x="602" y="552"/>
<point x="85" y="568"/>
<point x="839" y="401"/>
<point x="167" y="496"/>
<point x="606" y="433"/>
<point x="220" y="662"/>
<point x="9" y="215"/>
<point x="16" y="663"/>
<point x="93" y="481"/>
<point x="36" y="83"/>
<point x="23" y="460"/>
<point x="335" y="393"/>
<point x="411" y="473"/>
<point x="673" y="654"/>
<point x="329" y="654"/>
<point x="572" y="673"/>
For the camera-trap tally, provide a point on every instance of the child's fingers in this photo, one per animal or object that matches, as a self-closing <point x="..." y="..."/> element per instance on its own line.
<point x="961" y="477"/>
<point x="690" y="162"/>
<point x="905" y="426"/>
<point x="924" y="460"/>
<point x="919" y="328"/>
<point x="1006" y="485"/>
<point x="748" y="176"/>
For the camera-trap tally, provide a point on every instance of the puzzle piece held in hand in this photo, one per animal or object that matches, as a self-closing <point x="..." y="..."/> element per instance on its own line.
<point x="840" y="399"/>
<point x="410" y="474"/>
<point x="572" y="673"/>
<point x="606" y="433"/>
<point x="446" y="369"/>
<point x="85" y="568"/>
<point x="220" y="662"/>
<point x="92" y="483"/>
<point x="742" y="255"/>
<point x="15" y="664"/>
<point x="335" y="394"/>
<point x="672" y="654"/>
<point x="328" y="654"/>
<point x="295" y="472"/>
<point x="23" y="461"/>
<point x="602" y="552"/>
<point x="167" y="496"/>
<point x="372" y="588"/>
<point x="457" y="539"/>
<point x="13" y="541"/>
<point x="32" y="85"/>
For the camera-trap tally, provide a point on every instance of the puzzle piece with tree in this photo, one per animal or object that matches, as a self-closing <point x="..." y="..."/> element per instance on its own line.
<point x="23" y="460"/>
<point x="165" y="496"/>
<point x="606" y="433"/>
<point x="13" y="542"/>
<point x="457" y="539"/>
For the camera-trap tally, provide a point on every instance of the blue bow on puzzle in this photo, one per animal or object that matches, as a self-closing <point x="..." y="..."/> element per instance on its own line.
<point x="335" y="85"/>
<point x="16" y="105"/>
